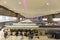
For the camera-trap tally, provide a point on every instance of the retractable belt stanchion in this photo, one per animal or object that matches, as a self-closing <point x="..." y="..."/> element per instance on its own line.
<point x="16" y="34"/>
<point x="21" y="35"/>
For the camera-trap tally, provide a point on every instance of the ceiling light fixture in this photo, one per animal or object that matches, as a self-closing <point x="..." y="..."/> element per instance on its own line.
<point x="19" y="2"/>
<point x="47" y="3"/>
<point x="4" y="2"/>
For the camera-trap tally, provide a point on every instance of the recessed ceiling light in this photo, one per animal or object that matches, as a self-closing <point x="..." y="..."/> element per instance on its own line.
<point x="4" y="2"/>
<point x="19" y="2"/>
<point x="47" y="3"/>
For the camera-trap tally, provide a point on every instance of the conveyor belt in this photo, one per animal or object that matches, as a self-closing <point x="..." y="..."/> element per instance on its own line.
<point x="49" y="27"/>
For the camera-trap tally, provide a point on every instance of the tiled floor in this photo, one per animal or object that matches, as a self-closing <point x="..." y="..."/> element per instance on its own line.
<point x="25" y="38"/>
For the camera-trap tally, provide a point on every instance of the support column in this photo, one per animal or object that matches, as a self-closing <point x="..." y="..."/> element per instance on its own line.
<point x="18" y="17"/>
<point x="39" y="19"/>
<point x="49" y="18"/>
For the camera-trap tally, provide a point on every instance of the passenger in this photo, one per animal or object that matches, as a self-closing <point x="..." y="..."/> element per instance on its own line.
<point x="1" y="34"/>
<point x="5" y="34"/>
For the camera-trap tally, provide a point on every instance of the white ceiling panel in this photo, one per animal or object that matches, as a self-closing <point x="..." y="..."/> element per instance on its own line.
<point x="31" y="8"/>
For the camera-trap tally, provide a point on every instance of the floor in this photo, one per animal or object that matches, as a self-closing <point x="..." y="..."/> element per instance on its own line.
<point x="26" y="38"/>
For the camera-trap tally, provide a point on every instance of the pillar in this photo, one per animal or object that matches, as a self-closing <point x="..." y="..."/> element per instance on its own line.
<point x="49" y="18"/>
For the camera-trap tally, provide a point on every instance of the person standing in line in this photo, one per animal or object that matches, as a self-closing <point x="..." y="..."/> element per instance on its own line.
<point x="2" y="35"/>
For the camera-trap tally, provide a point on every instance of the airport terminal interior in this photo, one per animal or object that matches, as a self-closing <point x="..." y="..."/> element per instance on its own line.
<point x="29" y="19"/>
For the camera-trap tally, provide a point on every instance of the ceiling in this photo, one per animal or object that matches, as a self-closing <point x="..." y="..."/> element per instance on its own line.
<point x="32" y="8"/>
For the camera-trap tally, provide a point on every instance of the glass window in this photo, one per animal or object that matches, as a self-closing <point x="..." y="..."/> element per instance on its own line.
<point x="44" y="19"/>
<point x="56" y="19"/>
<point x="7" y="18"/>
